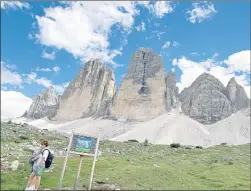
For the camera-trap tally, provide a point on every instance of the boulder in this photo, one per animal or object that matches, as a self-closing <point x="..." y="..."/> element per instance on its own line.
<point x="14" y="165"/>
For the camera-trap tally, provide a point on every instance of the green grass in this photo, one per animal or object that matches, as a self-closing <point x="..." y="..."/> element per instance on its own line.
<point x="135" y="166"/>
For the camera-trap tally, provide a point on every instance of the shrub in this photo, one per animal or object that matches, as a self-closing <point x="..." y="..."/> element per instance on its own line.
<point x="146" y="143"/>
<point x="17" y="141"/>
<point x="175" y="145"/>
<point x="133" y="140"/>
<point x="9" y="122"/>
<point x="230" y="162"/>
<point x="199" y="147"/>
<point x="223" y="144"/>
<point x="24" y="137"/>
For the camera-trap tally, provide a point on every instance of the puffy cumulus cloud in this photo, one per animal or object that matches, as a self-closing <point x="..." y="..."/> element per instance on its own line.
<point x="49" y="56"/>
<point x="200" y="12"/>
<point x="9" y="76"/>
<point x="32" y="78"/>
<point x="14" y="104"/>
<point x="141" y="27"/>
<point x="83" y="28"/>
<point x="14" y="5"/>
<point x="158" y="8"/>
<point x="239" y="61"/>
<point x="220" y="69"/>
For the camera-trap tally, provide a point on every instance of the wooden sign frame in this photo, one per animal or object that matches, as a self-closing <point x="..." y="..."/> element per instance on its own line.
<point x="94" y="154"/>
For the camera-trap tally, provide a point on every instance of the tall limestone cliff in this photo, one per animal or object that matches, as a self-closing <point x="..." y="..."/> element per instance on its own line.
<point x="172" y="92"/>
<point x="89" y="94"/>
<point x="141" y="95"/>
<point x="206" y="100"/>
<point x="237" y="95"/>
<point x="43" y="105"/>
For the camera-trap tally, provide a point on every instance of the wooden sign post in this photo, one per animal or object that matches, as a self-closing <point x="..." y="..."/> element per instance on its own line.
<point x="79" y="168"/>
<point x="84" y="146"/>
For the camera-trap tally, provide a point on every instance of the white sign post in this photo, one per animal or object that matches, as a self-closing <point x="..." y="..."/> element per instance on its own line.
<point x="93" y="163"/>
<point x="65" y="162"/>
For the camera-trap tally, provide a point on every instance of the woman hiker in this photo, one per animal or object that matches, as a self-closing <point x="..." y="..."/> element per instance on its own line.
<point x="38" y="167"/>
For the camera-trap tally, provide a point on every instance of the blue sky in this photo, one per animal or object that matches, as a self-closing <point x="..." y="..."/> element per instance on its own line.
<point x="46" y="43"/>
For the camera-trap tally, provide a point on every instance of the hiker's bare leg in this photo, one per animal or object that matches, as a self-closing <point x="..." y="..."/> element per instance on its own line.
<point x="34" y="181"/>
<point x="38" y="178"/>
<point x="30" y="179"/>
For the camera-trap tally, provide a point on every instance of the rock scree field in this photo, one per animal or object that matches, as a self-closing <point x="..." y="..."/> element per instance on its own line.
<point x="125" y="165"/>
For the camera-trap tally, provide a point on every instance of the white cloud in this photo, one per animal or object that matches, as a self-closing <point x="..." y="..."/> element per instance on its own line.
<point x="8" y="76"/>
<point x="191" y="70"/>
<point x="44" y="82"/>
<point x="14" y="5"/>
<point x="200" y="12"/>
<point x="56" y="69"/>
<point x="175" y="44"/>
<point x="141" y="27"/>
<point x="157" y="34"/>
<point x="38" y="69"/>
<point x="14" y="104"/>
<point x="239" y="61"/>
<point x="49" y="56"/>
<point x="215" y="55"/>
<point x="61" y="87"/>
<point x="166" y="45"/>
<point x="88" y="27"/>
<point x="194" y="54"/>
<point x="159" y="8"/>
<point x="32" y="78"/>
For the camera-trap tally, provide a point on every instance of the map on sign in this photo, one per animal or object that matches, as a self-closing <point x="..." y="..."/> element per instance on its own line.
<point x="83" y="144"/>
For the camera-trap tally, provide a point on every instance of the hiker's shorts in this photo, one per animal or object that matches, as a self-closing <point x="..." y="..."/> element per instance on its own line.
<point x="38" y="169"/>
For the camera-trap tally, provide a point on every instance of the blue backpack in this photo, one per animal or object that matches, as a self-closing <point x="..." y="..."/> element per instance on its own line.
<point x="49" y="159"/>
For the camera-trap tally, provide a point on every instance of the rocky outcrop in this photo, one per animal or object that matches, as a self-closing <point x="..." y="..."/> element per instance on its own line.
<point x="172" y="92"/>
<point x="89" y="93"/>
<point x="43" y="105"/>
<point x="205" y="100"/>
<point x="237" y="95"/>
<point x="141" y="95"/>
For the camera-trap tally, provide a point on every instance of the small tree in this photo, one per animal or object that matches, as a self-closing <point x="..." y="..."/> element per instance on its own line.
<point x="146" y="142"/>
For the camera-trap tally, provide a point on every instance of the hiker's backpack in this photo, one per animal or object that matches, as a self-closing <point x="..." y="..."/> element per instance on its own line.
<point x="49" y="159"/>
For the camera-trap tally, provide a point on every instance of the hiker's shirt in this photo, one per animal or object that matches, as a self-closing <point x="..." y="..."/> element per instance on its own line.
<point x="45" y="154"/>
